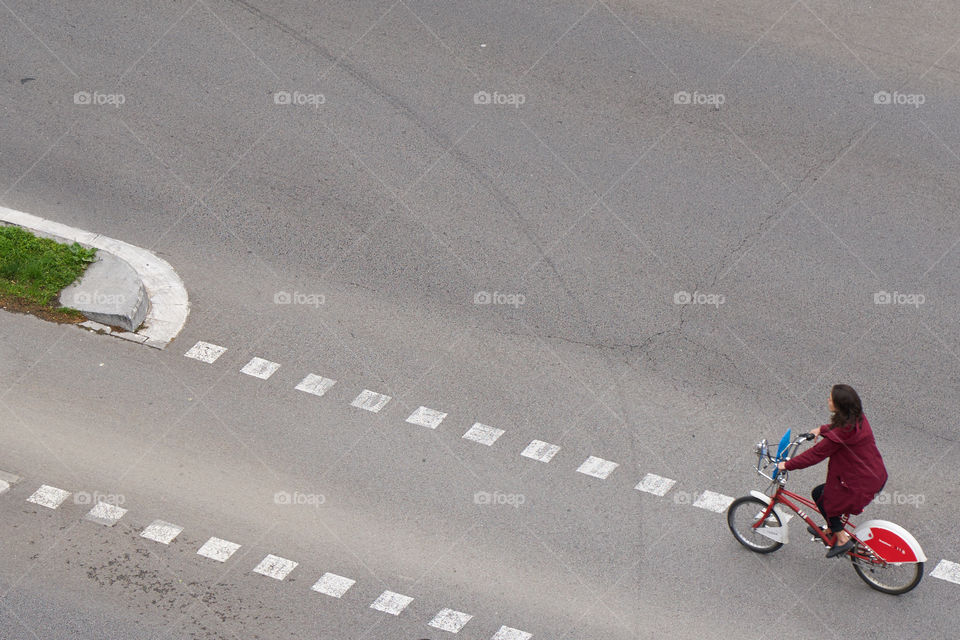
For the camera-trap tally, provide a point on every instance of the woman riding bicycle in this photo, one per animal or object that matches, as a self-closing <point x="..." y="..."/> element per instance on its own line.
<point x="855" y="472"/>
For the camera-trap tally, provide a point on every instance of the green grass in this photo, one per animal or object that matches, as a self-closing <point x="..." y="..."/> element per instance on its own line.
<point x="36" y="269"/>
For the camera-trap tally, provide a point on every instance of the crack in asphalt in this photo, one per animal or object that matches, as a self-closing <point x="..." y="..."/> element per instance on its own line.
<point x="442" y="141"/>
<point x="778" y="207"/>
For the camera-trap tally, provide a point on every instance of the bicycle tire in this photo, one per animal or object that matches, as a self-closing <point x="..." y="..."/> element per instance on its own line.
<point x="895" y="579"/>
<point x="741" y="514"/>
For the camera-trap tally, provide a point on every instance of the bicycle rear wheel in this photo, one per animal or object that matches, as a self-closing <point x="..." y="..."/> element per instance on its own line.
<point x="742" y="515"/>
<point x="895" y="579"/>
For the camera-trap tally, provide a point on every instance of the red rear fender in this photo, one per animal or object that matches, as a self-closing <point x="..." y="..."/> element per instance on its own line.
<point x="890" y="541"/>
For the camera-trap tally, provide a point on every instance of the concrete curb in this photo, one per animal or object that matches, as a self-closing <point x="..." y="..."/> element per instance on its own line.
<point x="7" y="480"/>
<point x="169" y="303"/>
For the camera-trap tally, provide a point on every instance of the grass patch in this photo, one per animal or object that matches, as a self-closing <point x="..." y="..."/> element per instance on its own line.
<point x="34" y="270"/>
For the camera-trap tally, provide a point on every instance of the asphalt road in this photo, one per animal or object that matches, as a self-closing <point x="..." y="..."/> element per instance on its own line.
<point x="520" y="264"/>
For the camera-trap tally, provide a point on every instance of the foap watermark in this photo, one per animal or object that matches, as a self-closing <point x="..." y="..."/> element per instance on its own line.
<point x="310" y="299"/>
<point x="508" y="99"/>
<point x="99" y="99"/>
<point x="285" y="498"/>
<point x="86" y="298"/>
<point x="900" y="99"/>
<point x="912" y="499"/>
<point x="512" y="299"/>
<point x="298" y="98"/>
<point x="683" y="497"/>
<point x="87" y="497"/>
<point x="899" y="298"/>
<point x="686" y="97"/>
<point x="698" y="297"/>
<point x="498" y="497"/>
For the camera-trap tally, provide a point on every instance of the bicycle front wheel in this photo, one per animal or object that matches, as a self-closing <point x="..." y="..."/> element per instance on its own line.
<point x="743" y="514"/>
<point x="895" y="579"/>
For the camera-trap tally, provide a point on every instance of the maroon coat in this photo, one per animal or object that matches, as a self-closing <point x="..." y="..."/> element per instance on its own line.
<point x="855" y="472"/>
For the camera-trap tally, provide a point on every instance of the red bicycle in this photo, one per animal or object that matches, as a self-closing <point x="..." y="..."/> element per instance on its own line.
<point x="885" y="555"/>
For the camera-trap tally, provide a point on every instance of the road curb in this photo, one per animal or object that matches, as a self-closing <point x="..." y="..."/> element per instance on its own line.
<point x="169" y="302"/>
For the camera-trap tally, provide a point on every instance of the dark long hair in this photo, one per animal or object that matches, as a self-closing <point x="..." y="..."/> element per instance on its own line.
<point x="848" y="409"/>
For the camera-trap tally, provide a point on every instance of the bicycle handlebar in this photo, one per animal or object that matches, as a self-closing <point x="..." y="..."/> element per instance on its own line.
<point x="764" y="459"/>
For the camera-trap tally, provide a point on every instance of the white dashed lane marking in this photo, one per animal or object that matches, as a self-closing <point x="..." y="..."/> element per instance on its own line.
<point x="4" y="486"/>
<point x="370" y="401"/>
<point x="597" y="467"/>
<point x="50" y="497"/>
<point x="657" y="485"/>
<point x="333" y="585"/>
<point x="162" y="532"/>
<point x="105" y="514"/>
<point x="260" y="368"/>
<point x="716" y="502"/>
<point x="483" y="434"/>
<point x="429" y="418"/>
<point x="450" y="620"/>
<point x="205" y="352"/>
<point x="507" y="633"/>
<point x="217" y="549"/>
<point x="275" y="567"/>
<point x="317" y="385"/>
<point x="540" y="450"/>
<point x="946" y="570"/>
<point x="392" y="603"/>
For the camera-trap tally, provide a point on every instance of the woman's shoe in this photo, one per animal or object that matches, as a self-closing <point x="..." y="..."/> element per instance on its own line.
<point x="816" y="532"/>
<point x="837" y="550"/>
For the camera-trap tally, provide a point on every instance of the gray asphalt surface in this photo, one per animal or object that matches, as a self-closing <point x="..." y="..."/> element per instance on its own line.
<point x="399" y="200"/>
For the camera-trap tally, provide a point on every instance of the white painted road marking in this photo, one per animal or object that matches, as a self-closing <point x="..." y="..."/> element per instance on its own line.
<point x="946" y="570"/>
<point x="370" y="401"/>
<point x="205" y="352"/>
<point x="4" y="486"/>
<point x="716" y="502"/>
<point x="217" y="549"/>
<point x="105" y="514"/>
<point x="657" y="485"/>
<point x="162" y="532"/>
<point x="275" y="567"/>
<point x="333" y="585"/>
<point x="450" y="620"/>
<point x="540" y="450"/>
<point x="317" y="385"/>
<point x="260" y="368"/>
<point x="597" y="467"/>
<point x="506" y="633"/>
<point x="47" y="496"/>
<point x="483" y="434"/>
<point x="392" y="603"/>
<point x="425" y="417"/>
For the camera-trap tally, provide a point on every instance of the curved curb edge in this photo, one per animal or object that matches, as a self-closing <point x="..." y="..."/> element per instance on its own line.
<point x="169" y="303"/>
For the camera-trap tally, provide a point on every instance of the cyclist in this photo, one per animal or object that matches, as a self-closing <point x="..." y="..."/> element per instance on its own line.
<point x="855" y="471"/>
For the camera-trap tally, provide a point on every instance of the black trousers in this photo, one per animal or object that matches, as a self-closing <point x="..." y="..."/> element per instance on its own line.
<point x="834" y="522"/>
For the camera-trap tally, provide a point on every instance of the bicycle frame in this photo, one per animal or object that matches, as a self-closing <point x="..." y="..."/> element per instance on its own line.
<point x="784" y="497"/>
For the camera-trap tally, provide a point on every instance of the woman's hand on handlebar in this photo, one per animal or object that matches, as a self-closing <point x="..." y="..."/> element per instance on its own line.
<point x="812" y="435"/>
